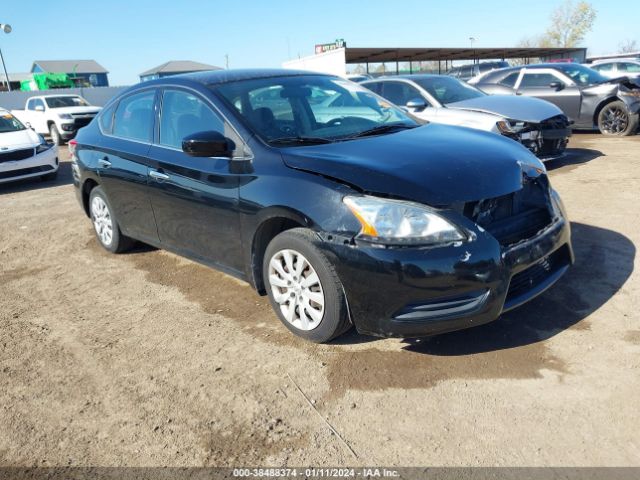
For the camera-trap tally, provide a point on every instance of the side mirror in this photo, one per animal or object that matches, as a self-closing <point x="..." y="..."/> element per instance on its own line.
<point x="416" y="104"/>
<point x="556" y="85"/>
<point x="28" y="125"/>
<point x="208" y="144"/>
<point x="39" y="108"/>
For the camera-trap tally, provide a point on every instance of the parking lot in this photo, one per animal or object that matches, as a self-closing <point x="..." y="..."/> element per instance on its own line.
<point x="149" y="359"/>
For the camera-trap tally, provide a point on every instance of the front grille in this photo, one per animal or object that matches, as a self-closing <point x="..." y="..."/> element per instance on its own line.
<point x="516" y="216"/>
<point x="530" y="278"/>
<point x="552" y="147"/>
<point x="14" y="155"/>
<point x="555" y="123"/>
<point x="25" y="171"/>
<point x="81" y="122"/>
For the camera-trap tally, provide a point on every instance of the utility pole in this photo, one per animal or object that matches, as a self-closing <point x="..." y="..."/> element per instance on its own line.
<point x="6" y="29"/>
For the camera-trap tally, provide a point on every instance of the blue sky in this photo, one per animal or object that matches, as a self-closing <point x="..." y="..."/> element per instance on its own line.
<point x="128" y="37"/>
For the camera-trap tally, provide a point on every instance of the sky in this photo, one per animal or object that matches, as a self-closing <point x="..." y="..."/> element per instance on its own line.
<point x="129" y="37"/>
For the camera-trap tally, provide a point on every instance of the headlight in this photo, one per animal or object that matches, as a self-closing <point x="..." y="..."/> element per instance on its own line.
<point x="43" y="147"/>
<point x="509" y="126"/>
<point x="65" y="116"/>
<point x="630" y="93"/>
<point x="398" y="222"/>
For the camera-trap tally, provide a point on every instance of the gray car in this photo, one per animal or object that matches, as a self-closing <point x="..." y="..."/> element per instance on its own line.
<point x="588" y="98"/>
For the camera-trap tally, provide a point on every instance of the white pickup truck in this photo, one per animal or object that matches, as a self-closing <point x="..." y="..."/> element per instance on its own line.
<point x="60" y="116"/>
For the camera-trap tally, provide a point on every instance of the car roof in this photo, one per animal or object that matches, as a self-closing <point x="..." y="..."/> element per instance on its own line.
<point x="413" y="76"/>
<point x="216" y="77"/>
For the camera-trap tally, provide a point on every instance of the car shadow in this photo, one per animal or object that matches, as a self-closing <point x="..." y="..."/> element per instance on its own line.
<point x="604" y="262"/>
<point x="65" y="177"/>
<point x="573" y="157"/>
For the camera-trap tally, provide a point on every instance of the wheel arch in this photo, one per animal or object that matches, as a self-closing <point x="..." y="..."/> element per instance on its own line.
<point x="601" y="105"/>
<point x="271" y="223"/>
<point x="88" y="185"/>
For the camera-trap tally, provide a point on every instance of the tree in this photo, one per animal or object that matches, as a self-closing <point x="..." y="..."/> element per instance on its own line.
<point x="628" y="46"/>
<point x="570" y="22"/>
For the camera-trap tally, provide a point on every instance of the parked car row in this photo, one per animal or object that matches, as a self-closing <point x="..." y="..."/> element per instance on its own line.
<point x="540" y="126"/>
<point x="588" y="98"/>
<point x="341" y="207"/>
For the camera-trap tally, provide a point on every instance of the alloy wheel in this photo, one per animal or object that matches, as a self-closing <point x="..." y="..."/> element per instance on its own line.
<point x="296" y="288"/>
<point x="102" y="220"/>
<point x="615" y="120"/>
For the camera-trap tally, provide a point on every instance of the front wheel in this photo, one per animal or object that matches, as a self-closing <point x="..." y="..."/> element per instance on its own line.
<point x="304" y="288"/>
<point x="615" y="120"/>
<point x="55" y="135"/>
<point x="105" y="224"/>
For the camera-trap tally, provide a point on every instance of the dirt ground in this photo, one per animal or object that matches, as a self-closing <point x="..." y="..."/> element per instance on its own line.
<point x="147" y="359"/>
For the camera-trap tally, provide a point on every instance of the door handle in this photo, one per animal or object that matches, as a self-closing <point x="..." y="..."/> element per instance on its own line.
<point x="158" y="176"/>
<point x="104" y="162"/>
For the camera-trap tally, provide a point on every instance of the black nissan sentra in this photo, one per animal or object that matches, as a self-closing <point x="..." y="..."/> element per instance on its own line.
<point x="322" y="195"/>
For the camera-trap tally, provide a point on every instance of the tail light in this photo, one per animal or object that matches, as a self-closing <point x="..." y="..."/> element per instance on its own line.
<point x="72" y="149"/>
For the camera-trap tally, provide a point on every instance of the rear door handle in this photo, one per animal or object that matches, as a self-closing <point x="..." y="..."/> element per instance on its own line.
<point x="158" y="176"/>
<point x="104" y="162"/>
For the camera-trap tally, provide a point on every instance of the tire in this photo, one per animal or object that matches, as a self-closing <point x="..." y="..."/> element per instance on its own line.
<point x="615" y="120"/>
<point x="49" y="176"/>
<point x="55" y="135"/>
<point x="296" y="302"/>
<point x="105" y="224"/>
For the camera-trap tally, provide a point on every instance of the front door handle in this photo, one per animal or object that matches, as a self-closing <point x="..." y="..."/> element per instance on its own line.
<point x="104" y="162"/>
<point x="158" y="176"/>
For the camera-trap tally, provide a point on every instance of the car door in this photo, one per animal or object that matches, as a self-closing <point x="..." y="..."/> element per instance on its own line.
<point x="550" y="85"/>
<point x="195" y="199"/>
<point x="37" y="116"/>
<point x="123" y="161"/>
<point x="401" y="93"/>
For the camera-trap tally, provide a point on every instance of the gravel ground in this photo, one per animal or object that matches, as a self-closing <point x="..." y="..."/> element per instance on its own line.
<point x="147" y="359"/>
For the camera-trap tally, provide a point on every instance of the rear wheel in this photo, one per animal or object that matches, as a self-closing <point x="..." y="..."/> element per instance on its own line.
<point x="615" y="119"/>
<point x="304" y="288"/>
<point x="105" y="224"/>
<point x="55" y="135"/>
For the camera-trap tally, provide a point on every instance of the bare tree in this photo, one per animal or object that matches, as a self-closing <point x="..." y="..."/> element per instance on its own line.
<point x="570" y="22"/>
<point x="628" y="46"/>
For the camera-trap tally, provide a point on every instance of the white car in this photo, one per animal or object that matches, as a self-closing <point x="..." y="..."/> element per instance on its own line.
<point x="60" y="116"/>
<point x="537" y="124"/>
<point x="619" y="67"/>
<point x="23" y="152"/>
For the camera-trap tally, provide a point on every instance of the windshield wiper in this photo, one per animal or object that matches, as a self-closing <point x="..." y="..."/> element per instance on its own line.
<point x="380" y="129"/>
<point x="300" y="141"/>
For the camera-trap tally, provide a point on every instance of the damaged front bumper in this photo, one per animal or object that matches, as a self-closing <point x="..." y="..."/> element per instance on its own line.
<point x="546" y="140"/>
<point x="413" y="292"/>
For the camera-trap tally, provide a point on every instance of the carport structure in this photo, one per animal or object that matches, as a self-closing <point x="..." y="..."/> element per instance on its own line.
<point x="448" y="55"/>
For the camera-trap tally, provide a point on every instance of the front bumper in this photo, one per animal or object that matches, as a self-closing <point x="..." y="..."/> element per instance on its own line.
<point x="412" y="292"/>
<point x="35" y="166"/>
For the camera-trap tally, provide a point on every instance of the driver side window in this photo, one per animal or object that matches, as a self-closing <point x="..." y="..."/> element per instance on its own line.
<point x="400" y="93"/>
<point x="184" y="114"/>
<point x="537" y="80"/>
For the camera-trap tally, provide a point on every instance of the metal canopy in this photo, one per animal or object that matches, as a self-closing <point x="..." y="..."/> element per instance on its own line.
<point x="379" y="55"/>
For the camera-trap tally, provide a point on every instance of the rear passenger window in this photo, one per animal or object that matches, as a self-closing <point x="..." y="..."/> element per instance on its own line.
<point x="106" y="119"/>
<point x="184" y="114"/>
<point x="134" y="117"/>
<point x="509" y="80"/>
<point x="375" y="87"/>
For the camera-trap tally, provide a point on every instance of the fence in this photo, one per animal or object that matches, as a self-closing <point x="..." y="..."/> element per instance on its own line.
<point x="98" y="96"/>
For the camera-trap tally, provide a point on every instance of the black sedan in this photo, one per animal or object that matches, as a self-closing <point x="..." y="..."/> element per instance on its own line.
<point x="586" y="97"/>
<point x="345" y="212"/>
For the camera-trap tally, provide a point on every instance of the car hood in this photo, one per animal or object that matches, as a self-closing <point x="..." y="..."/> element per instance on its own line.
<point x="434" y="164"/>
<point x="26" y="138"/>
<point x="77" y="110"/>
<point x="526" y="109"/>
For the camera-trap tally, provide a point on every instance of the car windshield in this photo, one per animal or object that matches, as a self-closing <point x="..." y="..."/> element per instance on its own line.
<point x="582" y="75"/>
<point x="448" y="90"/>
<point x="311" y="109"/>
<point x="9" y="123"/>
<point x="62" y="102"/>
